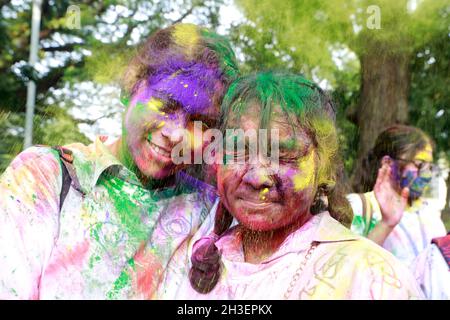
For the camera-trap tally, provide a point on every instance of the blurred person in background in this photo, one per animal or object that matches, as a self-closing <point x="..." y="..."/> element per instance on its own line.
<point x="394" y="212"/>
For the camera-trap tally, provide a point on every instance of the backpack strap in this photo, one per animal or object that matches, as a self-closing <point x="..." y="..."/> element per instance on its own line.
<point x="443" y="243"/>
<point x="69" y="176"/>
<point x="366" y="213"/>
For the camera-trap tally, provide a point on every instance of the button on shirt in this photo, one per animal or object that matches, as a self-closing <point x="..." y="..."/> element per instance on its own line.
<point x="111" y="239"/>
<point x="342" y="266"/>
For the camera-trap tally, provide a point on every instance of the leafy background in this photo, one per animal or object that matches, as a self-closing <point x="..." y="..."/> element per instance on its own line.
<point x="329" y="41"/>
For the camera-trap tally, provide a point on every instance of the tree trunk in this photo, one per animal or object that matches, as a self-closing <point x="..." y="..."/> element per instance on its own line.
<point x="385" y="82"/>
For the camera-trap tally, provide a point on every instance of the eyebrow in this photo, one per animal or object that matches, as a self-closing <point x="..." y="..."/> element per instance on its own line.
<point x="288" y="144"/>
<point x="292" y="144"/>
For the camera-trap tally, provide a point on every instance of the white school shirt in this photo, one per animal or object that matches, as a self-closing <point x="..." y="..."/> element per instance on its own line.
<point x="432" y="273"/>
<point x="110" y="240"/>
<point x="343" y="266"/>
<point x="418" y="226"/>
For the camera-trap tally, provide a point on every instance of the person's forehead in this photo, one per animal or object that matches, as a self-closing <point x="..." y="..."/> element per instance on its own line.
<point x="189" y="95"/>
<point x="250" y="118"/>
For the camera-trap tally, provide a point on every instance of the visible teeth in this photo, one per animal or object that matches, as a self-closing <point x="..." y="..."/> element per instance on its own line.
<point x="160" y="151"/>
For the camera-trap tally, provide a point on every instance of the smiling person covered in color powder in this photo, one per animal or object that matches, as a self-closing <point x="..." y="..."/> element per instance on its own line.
<point x="291" y="240"/>
<point x="101" y="221"/>
<point x="393" y="212"/>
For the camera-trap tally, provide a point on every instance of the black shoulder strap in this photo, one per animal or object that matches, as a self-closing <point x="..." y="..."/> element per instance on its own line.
<point x="69" y="176"/>
<point x="66" y="181"/>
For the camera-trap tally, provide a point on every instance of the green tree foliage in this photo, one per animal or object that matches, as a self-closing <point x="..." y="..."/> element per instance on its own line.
<point x="430" y="94"/>
<point x="98" y="51"/>
<point x="389" y="73"/>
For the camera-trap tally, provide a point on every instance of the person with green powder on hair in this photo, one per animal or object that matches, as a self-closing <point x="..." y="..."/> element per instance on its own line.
<point x="102" y="221"/>
<point x="292" y="239"/>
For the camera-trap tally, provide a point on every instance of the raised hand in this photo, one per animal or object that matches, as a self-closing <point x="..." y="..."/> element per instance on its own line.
<point x="392" y="200"/>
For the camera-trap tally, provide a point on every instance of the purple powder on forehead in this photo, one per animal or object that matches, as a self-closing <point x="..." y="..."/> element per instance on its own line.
<point x="193" y="85"/>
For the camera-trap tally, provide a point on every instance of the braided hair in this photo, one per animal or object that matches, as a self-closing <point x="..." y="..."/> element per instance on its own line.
<point x="304" y="105"/>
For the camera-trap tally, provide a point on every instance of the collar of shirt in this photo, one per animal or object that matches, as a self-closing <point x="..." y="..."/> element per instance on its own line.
<point x="320" y="228"/>
<point x="93" y="160"/>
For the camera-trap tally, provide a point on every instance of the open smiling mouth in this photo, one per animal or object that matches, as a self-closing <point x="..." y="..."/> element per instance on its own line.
<point x="159" y="153"/>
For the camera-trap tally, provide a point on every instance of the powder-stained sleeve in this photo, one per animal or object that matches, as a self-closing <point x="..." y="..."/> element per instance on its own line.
<point x="29" y="210"/>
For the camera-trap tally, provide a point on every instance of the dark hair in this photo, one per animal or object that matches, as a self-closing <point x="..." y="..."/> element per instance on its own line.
<point x="175" y="49"/>
<point x="397" y="141"/>
<point x="305" y="105"/>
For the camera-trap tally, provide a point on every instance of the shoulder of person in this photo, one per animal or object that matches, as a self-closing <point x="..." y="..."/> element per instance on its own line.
<point x="38" y="154"/>
<point x="33" y="165"/>
<point x="379" y="269"/>
<point x="355" y="202"/>
<point x="366" y="253"/>
<point x="81" y="148"/>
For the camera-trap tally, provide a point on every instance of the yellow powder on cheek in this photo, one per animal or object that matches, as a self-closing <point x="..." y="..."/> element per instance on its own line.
<point x="305" y="177"/>
<point x="161" y="124"/>
<point x="155" y="105"/>
<point x="425" y="154"/>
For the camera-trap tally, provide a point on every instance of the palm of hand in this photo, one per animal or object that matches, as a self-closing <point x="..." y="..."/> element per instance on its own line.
<point x="392" y="203"/>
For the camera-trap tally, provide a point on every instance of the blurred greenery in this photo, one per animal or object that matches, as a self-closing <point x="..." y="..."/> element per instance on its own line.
<point x="97" y="52"/>
<point x="398" y="73"/>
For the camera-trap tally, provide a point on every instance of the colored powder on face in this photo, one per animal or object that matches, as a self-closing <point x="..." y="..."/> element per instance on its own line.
<point x="305" y="177"/>
<point x="425" y="155"/>
<point x="193" y="89"/>
<point x="155" y="105"/>
<point x="134" y="115"/>
<point x="294" y="95"/>
<point x="161" y="124"/>
<point x="303" y="104"/>
<point x="262" y="194"/>
<point x="149" y="137"/>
